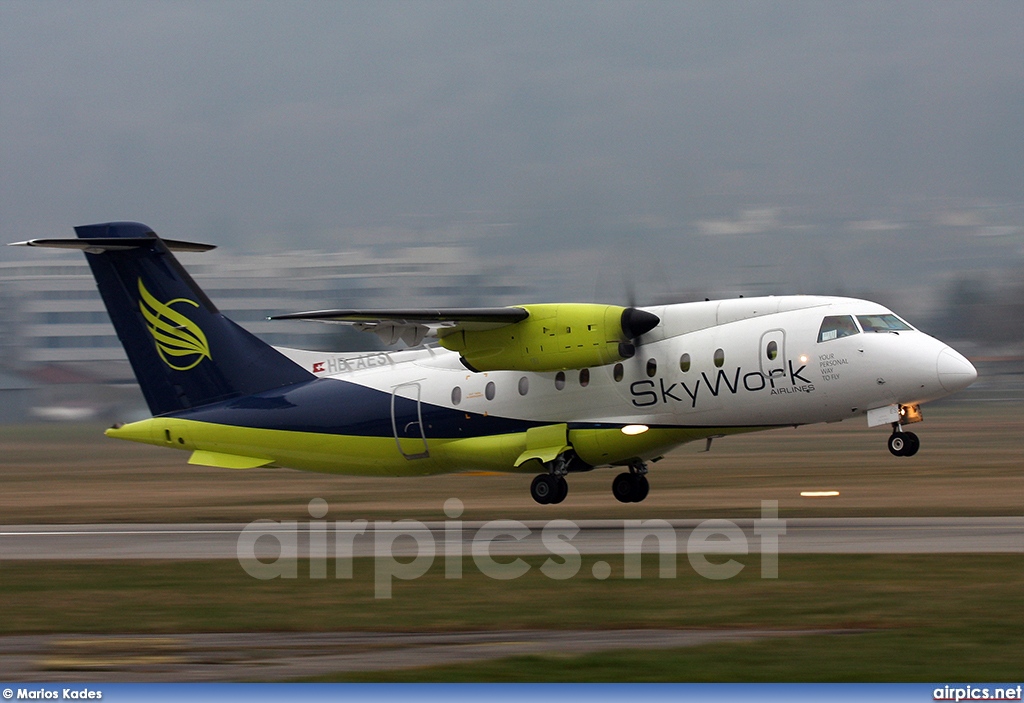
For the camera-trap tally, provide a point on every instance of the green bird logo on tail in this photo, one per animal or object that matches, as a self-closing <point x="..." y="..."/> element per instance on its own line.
<point x="179" y="341"/>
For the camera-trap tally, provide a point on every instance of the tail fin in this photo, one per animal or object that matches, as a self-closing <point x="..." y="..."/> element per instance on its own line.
<point x="183" y="351"/>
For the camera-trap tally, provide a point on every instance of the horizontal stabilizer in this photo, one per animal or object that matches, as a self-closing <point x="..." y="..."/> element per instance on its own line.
<point x="102" y="244"/>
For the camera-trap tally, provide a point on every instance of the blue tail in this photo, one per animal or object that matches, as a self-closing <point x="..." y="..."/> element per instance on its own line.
<point x="184" y="352"/>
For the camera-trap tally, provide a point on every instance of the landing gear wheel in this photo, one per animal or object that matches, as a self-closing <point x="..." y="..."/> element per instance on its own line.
<point x="630" y="488"/>
<point x="544" y="488"/>
<point x="913" y="444"/>
<point x="622" y="488"/>
<point x="641" y="489"/>
<point x="897" y="443"/>
<point x="548" y="490"/>
<point x="561" y="490"/>
<point x="904" y="444"/>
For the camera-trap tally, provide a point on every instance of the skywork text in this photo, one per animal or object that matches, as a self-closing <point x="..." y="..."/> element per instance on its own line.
<point x="648" y="393"/>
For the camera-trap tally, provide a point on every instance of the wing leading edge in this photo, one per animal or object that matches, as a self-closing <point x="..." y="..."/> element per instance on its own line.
<point x="413" y="325"/>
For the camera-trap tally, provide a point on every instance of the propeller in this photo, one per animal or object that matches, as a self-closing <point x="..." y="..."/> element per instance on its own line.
<point x="635" y="323"/>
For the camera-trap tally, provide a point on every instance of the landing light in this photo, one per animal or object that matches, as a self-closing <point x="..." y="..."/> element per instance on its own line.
<point x="634" y="429"/>
<point x="803" y="358"/>
<point x="819" y="494"/>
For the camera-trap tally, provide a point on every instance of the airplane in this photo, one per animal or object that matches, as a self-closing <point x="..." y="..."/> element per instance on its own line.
<point x="547" y="389"/>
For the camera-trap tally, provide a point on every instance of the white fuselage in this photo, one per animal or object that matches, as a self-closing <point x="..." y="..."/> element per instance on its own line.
<point x="708" y="364"/>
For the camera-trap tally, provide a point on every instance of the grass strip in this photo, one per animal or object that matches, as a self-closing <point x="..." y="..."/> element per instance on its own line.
<point x="927" y="617"/>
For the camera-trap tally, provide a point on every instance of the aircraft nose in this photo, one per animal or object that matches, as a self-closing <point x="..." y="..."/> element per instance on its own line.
<point x="954" y="371"/>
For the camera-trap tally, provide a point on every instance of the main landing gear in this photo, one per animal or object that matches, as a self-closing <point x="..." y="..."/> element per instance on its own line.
<point x="547" y="489"/>
<point x="903" y="443"/>
<point x="551" y="488"/>
<point x="631" y="486"/>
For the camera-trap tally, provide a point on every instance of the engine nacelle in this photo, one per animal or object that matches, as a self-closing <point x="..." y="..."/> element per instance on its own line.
<point x="554" y="337"/>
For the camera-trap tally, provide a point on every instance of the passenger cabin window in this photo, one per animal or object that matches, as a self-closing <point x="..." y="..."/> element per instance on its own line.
<point x="617" y="372"/>
<point x="560" y="380"/>
<point x="684" y="363"/>
<point x="836" y="326"/>
<point x="584" y="378"/>
<point x="524" y="385"/>
<point x="882" y="323"/>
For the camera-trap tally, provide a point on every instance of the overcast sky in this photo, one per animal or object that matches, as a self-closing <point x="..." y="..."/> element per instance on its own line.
<point x="750" y="146"/>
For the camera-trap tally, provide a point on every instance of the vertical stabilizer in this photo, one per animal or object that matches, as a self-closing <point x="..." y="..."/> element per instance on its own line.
<point x="184" y="352"/>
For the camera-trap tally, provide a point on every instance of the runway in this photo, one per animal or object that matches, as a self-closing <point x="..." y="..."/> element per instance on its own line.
<point x="275" y="655"/>
<point x="269" y="539"/>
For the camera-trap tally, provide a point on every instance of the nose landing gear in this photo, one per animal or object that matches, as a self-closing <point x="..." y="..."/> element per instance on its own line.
<point x="903" y="443"/>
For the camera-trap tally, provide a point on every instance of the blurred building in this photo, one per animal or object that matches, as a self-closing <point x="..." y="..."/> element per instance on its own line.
<point x="52" y="314"/>
<point x="17" y="397"/>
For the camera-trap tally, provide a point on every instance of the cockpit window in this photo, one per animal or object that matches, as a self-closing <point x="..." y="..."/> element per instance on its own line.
<point x="836" y="326"/>
<point x="882" y="323"/>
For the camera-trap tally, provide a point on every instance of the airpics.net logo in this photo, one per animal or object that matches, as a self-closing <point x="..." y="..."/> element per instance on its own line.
<point x="405" y="550"/>
<point x="179" y="341"/>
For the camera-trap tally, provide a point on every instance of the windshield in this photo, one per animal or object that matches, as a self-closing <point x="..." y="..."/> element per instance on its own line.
<point x="882" y="323"/>
<point x="836" y="326"/>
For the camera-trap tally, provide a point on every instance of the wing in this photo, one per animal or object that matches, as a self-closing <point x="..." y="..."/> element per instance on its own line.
<point x="412" y="325"/>
<point x="545" y="337"/>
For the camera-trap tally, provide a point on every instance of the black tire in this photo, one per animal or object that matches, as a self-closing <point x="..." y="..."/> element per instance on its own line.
<point x="561" y="490"/>
<point x="898" y="444"/>
<point x="543" y="488"/>
<point x="913" y="444"/>
<point x="641" y="488"/>
<point x="622" y="488"/>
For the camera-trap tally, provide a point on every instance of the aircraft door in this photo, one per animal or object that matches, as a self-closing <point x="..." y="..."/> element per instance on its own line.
<point x="772" y="353"/>
<point x="407" y="421"/>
